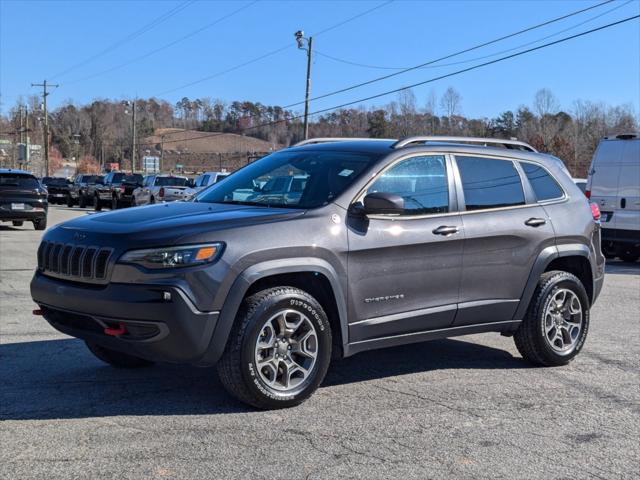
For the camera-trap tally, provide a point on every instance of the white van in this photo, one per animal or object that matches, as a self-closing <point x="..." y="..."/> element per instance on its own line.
<point x="614" y="184"/>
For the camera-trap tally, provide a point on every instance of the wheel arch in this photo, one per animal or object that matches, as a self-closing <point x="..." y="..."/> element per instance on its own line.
<point x="572" y="258"/>
<point x="313" y="275"/>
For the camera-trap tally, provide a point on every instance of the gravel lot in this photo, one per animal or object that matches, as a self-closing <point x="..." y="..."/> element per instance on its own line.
<point x="462" y="408"/>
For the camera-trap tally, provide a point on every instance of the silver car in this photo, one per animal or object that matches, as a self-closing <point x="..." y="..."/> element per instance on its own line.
<point x="160" y="188"/>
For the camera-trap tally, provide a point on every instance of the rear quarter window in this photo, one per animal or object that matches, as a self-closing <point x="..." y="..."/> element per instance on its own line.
<point x="543" y="184"/>
<point x="489" y="183"/>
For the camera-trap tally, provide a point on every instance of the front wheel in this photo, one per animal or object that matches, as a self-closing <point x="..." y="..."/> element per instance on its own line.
<point x="115" y="204"/>
<point x="279" y="349"/>
<point x="82" y="201"/>
<point x="97" y="205"/>
<point x="69" y="201"/>
<point x="556" y="324"/>
<point x="117" y="359"/>
<point x="17" y="223"/>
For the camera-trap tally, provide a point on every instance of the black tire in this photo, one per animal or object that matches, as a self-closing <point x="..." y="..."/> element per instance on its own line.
<point x="115" y="204"/>
<point x="70" y="201"/>
<point x="40" y="224"/>
<point x="17" y="223"/>
<point x="630" y="255"/>
<point x="152" y="201"/>
<point x="82" y="201"/>
<point x="97" y="204"/>
<point x="133" y="201"/>
<point x="530" y="337"/>
<point x="117" y="359"/>
<point x="236" y="367"/>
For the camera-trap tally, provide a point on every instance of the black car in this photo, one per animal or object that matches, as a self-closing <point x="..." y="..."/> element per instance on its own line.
<point x="116" y="190"/>
<point x="123" y="195"/>
<point x="78" y="190"/>
<point x="57" y="188"/>
<point x="22" y="198"/>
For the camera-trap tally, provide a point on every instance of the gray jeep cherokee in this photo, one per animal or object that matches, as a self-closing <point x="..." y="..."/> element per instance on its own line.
<point x="389" y="243"/>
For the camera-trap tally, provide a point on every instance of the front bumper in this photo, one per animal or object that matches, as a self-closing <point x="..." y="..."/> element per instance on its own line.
<point x="158" y="328"/>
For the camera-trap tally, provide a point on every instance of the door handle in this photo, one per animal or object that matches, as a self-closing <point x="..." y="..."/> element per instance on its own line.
<point x="445" y="230"/>
<point x="535" y="222"/>
<point x="623" y="203"/>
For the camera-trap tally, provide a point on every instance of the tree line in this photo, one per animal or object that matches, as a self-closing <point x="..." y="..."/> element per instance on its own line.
<point x="101" y="131"/>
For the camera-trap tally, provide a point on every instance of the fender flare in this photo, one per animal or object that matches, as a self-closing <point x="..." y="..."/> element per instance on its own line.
<point x="265" y="269"/>
<point x="545" y="257"/>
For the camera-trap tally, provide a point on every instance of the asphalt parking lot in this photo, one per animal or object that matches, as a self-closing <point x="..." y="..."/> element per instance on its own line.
<point x="461" y="408"/>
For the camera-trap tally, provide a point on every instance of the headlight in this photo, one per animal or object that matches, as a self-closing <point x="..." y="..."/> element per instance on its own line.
<point x="174" y="257"/>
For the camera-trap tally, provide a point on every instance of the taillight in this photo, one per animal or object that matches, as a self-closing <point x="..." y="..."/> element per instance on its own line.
<point x="161" y="192"/>
<point x="595" y="211"/>
<point x="587" y="193"/>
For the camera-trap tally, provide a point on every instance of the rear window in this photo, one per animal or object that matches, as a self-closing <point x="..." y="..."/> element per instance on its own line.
<point x="221" y="177"/>
<point x="489" y="183"/>
<point x="543" y="184"/>
<point x="13" y="180"/>
<point x="55" y="181"/>
<point x="170" y="182"/>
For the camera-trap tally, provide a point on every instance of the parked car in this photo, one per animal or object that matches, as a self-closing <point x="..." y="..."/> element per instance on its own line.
<point x="614" y="184"/>
<point x="22" y="199"/>
<point x="79" y="189"/>
<point x="203" y="181"/>
<point x="390" y="242"/>
<point x="116" y="190"/>
<point x="161" y="188"/>
<point x="57" y="189"/>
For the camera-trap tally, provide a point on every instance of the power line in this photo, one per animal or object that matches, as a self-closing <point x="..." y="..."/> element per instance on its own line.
<point x="164" y="47"/>
<point x="272" y="52"/>
<point x="396" y="90"/>
<point x="466" y="50"/>
<point x="475" y="59"/>
<point x="154" y="23"/>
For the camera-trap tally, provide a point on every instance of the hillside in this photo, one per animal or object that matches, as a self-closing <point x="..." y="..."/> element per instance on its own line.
<point x="192" y="141"/>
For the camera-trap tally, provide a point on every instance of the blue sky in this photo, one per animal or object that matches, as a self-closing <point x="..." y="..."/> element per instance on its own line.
<point x="39" y="39"/>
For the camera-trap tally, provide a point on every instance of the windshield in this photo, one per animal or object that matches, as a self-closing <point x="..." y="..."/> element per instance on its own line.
<point x="303" y="179"/>
<point x="170" y="182"/>
<point x="17" y="180"/>
<point x="54" y="181"/>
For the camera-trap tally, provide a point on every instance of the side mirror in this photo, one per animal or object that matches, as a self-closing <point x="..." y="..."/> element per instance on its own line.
<point x="383" y="203"/>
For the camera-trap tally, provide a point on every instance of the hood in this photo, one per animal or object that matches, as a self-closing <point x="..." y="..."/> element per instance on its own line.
<point x="162" y="224"/>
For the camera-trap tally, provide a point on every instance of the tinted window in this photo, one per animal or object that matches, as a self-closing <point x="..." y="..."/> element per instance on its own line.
<point x="325" y="174"/>
<point x="544" y="186"/>
<point x="221" y="177"/>
<point x="421" y="181"/>
<point x="117" y="177"/>
<point x="489" y="183"/>
<point x="55" y="181"/>
<point x="171" y="181"/>
<point x="13" y="180"/>
<point x="204" y="181"/>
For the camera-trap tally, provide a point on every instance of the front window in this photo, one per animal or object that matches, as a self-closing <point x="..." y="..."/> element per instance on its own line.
<point x="420" y="181"/>
<point x="303" y="179"/>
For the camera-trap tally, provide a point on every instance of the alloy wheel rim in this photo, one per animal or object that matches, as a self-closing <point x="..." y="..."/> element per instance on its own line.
<point x="286" y="350"/>
<point x="563" y="320"/>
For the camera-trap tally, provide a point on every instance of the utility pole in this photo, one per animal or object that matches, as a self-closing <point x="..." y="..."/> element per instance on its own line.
<point x="309" y="48"/>
<point x="161" y="152"/>
<point x="45" y="94"/>
<point x="133" y="143"/>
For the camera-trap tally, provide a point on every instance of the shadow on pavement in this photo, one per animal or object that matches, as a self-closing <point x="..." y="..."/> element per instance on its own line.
<point x="59" y="379"/>
<point x="614" y="267"/>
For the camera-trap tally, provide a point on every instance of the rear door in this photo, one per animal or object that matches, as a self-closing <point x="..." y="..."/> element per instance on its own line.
<point x="603" y="180"/>
<point x="627" y="210"/>
<point x="404" y="273"/>
<point x="505" y="230"/>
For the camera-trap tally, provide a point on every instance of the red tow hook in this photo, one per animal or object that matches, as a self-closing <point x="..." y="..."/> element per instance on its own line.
<point x="37" y="312"/>
<point x="116" y="332"/>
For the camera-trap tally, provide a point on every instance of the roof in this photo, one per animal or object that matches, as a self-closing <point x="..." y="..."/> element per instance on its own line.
<point x="15" y="170"/>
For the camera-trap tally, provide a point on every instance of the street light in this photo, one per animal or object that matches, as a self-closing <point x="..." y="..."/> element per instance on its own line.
<point x="300" y="40"/>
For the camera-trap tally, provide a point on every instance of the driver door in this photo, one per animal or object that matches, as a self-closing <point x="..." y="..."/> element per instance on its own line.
<point x="405" y="270"/>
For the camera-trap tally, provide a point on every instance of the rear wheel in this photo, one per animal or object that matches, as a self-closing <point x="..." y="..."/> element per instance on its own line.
<point x="556" y="324"/>
<point x="40" y="224"/>
<point x="152" y="200"/>
<point x="279" y="349"/>
<point x="17" y="223"/>
<point x="82" y="201"/>
<point x="117" y="359"/>
<point x="70" y="201"/>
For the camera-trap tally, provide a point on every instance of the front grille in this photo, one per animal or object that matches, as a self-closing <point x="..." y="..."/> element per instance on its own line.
<point x="75" y="262"/>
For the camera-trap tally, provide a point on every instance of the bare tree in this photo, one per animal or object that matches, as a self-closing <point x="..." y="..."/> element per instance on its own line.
<point x="545" y="103"/>
<point x="450" y="102"/>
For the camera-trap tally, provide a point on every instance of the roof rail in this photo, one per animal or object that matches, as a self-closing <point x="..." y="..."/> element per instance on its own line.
<point x="312" y="141"/>
<point x="622" y="136"/>
<point x="513" y="144"/>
